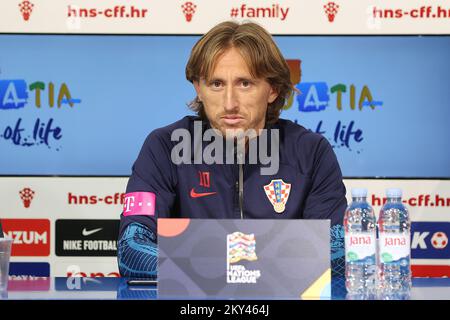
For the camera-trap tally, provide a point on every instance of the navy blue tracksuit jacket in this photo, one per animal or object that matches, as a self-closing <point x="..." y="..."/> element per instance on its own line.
<point x="308" y="174"/>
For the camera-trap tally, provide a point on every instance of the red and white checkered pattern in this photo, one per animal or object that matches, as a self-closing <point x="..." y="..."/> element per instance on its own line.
<point x="331" y="8"/>
<point x="270" y="191"/>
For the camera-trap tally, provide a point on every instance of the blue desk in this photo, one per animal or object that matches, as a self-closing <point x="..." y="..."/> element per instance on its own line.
<point x="117" y="289"/>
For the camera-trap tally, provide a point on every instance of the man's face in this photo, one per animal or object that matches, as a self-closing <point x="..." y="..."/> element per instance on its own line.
<point x="233" y="99"/>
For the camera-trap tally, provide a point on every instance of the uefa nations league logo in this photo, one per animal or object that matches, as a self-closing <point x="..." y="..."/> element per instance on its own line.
<point x="241" y="246"/>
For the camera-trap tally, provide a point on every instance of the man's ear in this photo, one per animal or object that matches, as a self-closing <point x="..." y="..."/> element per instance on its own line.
<point x="197" y="89"/>
<point x="273" y="94"/>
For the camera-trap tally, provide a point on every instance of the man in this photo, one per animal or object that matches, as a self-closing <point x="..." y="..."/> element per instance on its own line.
<point x="242" y="81"/>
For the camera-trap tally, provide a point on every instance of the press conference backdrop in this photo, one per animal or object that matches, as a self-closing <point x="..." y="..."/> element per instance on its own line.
<point x="66" y="226"/>
<point x="83" y="105"/>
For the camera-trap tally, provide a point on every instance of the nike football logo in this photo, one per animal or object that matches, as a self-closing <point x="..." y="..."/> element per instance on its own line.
<point x="203" y="194"/>
<point x="88" y="233"/>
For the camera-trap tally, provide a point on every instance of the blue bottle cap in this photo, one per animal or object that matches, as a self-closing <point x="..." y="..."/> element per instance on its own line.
<point x="394" y="193"/>
<point x="359" y="192"/>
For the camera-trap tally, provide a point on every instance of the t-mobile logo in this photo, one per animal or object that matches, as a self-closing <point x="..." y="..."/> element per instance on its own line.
<point x="139" y="203"/>
<point x="129" y="202"/>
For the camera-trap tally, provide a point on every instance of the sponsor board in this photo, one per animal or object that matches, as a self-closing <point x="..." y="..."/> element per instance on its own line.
<point x="428" y="203"/>
<point x="62" y="197"/>
<point x="85" y="284"/>
<point x="76" y="198"/>
<point x="429" y="240"/>
<point x="87" y="268"/>
<point x="31" y="237"/>
<point x="81" y="238"/>
<point x="430" y="270"/>
<point x="196" y="17"/>
<point x="430" y="251"/>
<point x="29" y="269"/>
<point x="29" y="276"/>
<point x="426" y="200"/>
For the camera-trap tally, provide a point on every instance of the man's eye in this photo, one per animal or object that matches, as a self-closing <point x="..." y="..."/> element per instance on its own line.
<point x="246" y="83"/>
<point x="216" y="84"/>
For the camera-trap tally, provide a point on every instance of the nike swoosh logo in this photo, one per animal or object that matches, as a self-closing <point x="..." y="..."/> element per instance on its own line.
<point x="198" y="195"/>
<point x="88" y="233"/>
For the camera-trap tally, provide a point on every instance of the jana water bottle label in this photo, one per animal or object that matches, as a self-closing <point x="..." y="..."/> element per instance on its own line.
<point x="394" y="247"/>
<point x="359" y="246"/>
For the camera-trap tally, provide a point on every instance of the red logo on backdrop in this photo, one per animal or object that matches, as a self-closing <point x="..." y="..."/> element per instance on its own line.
<point x="26" y="8"/>
<point x="439" y="240"/>
<point x="331" y="9"/>
<point x="31" y="237"/>
<point x="26" y="195"/>
<point x="188" y="10"/>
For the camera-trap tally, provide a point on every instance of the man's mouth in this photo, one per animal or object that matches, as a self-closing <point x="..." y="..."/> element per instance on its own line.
<point x="232" y="119"/>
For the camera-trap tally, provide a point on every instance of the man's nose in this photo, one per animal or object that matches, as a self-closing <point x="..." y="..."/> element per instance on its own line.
<point x="231" y="100"/>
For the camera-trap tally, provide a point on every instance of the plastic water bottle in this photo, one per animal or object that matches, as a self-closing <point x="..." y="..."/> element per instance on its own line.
<point x="360" y="246"/>
<point x="394" y="247"/>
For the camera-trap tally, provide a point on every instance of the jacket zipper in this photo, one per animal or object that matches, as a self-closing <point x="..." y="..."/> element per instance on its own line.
<point x="240" y="184"/>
